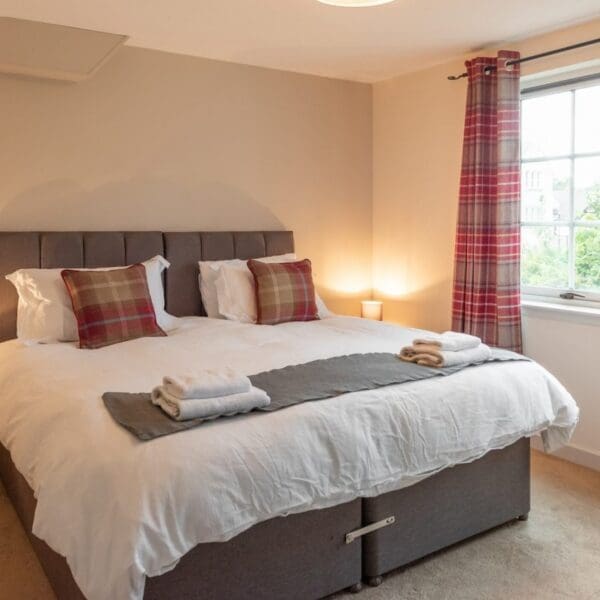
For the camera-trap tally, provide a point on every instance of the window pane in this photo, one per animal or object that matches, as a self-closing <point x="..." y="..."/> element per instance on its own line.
<point x="546" y="126"/>
<point x="545" y="256"/>
<point x="587" y="189"/>
<point x="587" y="258"/>
<point x="545" y="189"/>
<point x="587" y="119"/>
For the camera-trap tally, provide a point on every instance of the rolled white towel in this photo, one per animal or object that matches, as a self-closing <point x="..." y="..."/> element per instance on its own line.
<point x="210" y="383"/>
<point x="449" y="341"/>
<point x="209" y="408"/>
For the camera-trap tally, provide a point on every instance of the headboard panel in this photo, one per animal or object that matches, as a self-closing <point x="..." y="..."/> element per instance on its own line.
<point x="62" y="250"/>
<point x="183" y="251"/>
<point x="111" y="249"/>
<point x="139" y="245"/>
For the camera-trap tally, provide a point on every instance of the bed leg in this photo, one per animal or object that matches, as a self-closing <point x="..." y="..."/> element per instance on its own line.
<point x="375" y="581"/>
<point x="357" y="587"/>
<point x="524" y="517"/>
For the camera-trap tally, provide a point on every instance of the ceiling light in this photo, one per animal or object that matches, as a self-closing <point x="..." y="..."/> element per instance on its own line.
<point x="355" y="3"/>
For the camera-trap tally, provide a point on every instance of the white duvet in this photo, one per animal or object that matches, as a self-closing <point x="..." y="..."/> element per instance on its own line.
<point x="120" y="509"/>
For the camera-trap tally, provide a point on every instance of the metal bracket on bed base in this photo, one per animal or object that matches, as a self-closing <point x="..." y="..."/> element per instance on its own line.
<point x="353" y="535"/>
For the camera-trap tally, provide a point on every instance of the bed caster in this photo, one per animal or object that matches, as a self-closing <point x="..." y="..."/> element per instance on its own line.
<point x="524" y="517"/>
<point x="375" y="581"/>
<point x="357" y="587"/>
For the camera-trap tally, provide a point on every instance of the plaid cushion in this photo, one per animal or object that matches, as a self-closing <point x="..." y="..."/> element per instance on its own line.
<point x="284" y="291"/>
<point x="111" y="306"/>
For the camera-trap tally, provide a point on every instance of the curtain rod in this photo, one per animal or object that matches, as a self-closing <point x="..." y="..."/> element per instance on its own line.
<point x="533" y="57"/>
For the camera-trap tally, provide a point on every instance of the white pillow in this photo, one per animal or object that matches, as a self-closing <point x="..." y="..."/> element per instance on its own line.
<point x="236" y="296"/>
<point x="209" y="271"/>
<point x="45" y="313"/>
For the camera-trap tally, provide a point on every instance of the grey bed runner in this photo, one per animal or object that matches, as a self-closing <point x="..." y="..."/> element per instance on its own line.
<point x="315" y="380"/>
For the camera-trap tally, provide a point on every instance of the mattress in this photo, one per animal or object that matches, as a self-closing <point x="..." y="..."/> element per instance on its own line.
<point x="120" y="509"/>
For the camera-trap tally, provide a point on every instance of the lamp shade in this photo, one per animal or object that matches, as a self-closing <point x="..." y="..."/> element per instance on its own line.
<point x="371" y="309"/>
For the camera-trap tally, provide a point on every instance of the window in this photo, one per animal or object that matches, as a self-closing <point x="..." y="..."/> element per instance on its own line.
<point x="560" y="191"/>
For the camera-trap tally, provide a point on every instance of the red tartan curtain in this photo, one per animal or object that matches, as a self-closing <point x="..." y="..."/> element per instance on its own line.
<point x="486" y="300"/>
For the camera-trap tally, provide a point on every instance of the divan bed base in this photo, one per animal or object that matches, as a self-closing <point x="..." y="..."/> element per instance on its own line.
<point x="449" y="507"/>
<point x="308" y="555"/>
<point x="297" y="557"/>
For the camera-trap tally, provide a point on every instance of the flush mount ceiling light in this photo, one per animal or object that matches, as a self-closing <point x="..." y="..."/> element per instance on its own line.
<point x="355" y="3"/>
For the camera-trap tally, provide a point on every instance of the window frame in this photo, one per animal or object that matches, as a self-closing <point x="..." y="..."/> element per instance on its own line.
<point x="553" y="294"/>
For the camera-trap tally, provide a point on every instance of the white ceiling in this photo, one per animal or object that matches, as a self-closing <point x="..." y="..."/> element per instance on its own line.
<point x="363" y="44"/>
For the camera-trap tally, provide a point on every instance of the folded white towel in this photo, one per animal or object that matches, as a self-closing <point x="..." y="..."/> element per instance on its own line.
<point x="210" y="383"/>
<point x="449" y="341"/>
<point x="466" y="357"/>
<point x="431" y="356"/>
<point x="209" y="408"/>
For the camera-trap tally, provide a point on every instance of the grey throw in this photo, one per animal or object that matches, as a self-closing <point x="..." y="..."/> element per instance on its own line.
<point x="315" y="380"/>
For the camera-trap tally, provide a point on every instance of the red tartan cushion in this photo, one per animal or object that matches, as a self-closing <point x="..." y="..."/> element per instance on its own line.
<point x="111" y="306"/>
<point x="284" y="291"/>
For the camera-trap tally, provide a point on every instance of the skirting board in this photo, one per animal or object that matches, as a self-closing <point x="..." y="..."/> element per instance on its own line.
<point x="579" y="456"/>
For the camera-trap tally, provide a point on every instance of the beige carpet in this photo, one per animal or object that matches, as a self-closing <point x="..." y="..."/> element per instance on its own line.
<point x="554" y="555"/>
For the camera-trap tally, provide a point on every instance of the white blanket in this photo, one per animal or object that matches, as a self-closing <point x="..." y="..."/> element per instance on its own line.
<point x="120" y="509"/>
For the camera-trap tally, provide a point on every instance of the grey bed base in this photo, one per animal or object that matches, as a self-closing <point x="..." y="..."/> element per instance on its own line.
<point x="299" y="557"/>
<point x="451" y="506"/>
<point x="302" y="556"/>
<point x="306" y="556"/>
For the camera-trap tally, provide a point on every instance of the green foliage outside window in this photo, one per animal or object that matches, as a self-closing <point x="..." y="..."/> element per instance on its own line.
<point x="544" y="263"/>
<point x="587" y="245"/>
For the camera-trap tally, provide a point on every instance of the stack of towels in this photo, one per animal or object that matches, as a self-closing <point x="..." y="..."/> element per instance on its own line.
<point x="207" y="395"/>
<point x="446" y="350"/>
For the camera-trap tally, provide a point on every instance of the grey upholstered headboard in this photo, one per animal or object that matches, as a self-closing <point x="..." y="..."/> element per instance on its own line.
<point x="111" y="248"/>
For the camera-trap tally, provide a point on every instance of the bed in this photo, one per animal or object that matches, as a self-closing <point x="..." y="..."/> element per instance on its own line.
<point x="300" y="503"/>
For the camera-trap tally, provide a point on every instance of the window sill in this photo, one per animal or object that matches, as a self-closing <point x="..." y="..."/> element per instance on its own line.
<point x="576" y="314"/>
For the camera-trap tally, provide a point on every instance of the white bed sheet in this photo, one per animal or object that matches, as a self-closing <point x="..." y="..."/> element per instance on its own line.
<point x="120" y="509"/>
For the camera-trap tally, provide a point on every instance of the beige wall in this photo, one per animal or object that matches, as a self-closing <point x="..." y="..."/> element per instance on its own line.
<point x="163" y="141"/>
<point x="417" y="146"/>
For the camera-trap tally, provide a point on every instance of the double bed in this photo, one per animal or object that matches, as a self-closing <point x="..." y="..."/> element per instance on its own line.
<point x="299" y="503"/>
